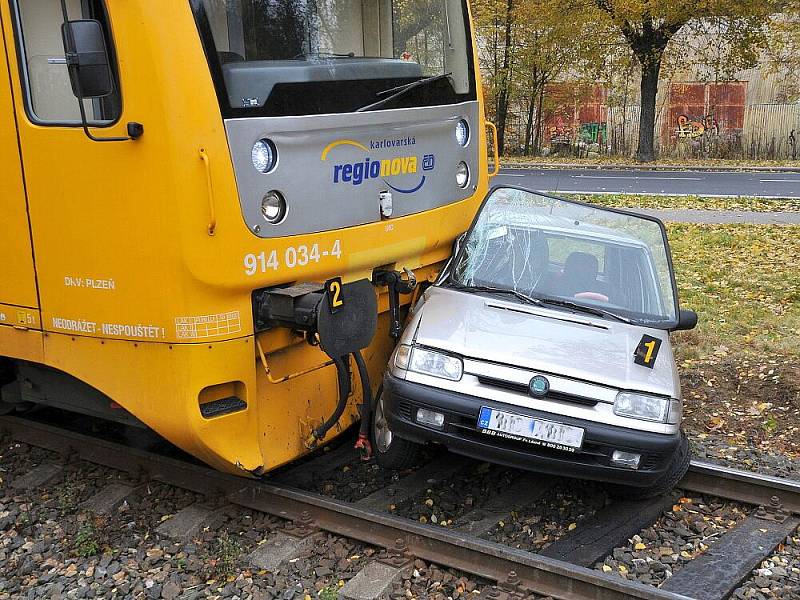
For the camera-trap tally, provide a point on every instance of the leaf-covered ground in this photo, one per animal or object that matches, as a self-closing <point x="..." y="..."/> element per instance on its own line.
<point x="742" y="203"/>
<point x="622" y="161"/>
<point x="740" y="368"/>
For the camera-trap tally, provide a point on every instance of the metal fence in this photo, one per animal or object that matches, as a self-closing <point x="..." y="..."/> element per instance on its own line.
<point x="769" y="132"/>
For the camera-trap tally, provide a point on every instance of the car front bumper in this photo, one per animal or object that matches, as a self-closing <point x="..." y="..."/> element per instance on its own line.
<point x="460" y="434"/>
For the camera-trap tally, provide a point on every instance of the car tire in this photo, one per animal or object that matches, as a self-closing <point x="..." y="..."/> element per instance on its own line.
<point x="676" y="471"/>
<point x="391" y="452"/>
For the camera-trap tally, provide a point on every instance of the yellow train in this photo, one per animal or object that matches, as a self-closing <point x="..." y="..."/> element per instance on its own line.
<point x="205" y="204"/>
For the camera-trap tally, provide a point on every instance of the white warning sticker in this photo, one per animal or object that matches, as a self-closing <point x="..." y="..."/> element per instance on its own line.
<point x="206" y="326"/>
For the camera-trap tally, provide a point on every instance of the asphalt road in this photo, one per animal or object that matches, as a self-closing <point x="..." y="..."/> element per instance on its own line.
<point x="672" y="183"/>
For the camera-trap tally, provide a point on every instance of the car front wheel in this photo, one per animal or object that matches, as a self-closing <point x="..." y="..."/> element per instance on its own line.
<point x="391" y="452"/>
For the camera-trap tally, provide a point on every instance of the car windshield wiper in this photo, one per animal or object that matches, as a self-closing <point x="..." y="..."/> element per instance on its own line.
<point x="400" y="90"/>
<point x="599" y="312"/>
<point x="494" y="290"/>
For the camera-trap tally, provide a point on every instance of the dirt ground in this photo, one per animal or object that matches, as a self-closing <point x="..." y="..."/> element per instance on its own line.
<point x="755" y="403"/>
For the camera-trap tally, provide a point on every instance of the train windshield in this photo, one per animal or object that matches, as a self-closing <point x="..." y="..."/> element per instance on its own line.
<point x="304" y="57"/>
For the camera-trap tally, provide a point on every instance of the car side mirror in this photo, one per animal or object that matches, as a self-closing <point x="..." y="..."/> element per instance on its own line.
<point x="88" y="62"/>
<point x="687" y="319"/>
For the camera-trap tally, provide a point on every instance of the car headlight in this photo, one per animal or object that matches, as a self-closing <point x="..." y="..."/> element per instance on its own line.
<point x="401" y="356"/>
<point x="436" y="364"/>
<point x="643" y="406"/>
<point x="675" y="412"/>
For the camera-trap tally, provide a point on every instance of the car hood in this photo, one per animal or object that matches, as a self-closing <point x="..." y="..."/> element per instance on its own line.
<point x="553" y="341"/>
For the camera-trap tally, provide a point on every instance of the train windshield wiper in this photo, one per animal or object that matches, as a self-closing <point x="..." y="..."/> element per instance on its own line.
<point x="400" y="90"/>
<point x="495" y="290"/>
<point x="324" y="55"/>
<point x="599" y="312"/>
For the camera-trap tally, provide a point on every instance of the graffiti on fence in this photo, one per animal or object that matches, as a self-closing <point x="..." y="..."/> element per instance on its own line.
<point x="693" y="128"/>
<point x="593" y="133"/>
<point x="560" y="129"/>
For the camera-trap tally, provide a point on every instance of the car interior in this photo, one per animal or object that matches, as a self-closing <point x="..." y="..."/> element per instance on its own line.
<point x="593" y="271"/>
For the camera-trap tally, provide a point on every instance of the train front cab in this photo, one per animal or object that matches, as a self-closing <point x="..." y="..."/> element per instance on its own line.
<point x="130" y="267"/>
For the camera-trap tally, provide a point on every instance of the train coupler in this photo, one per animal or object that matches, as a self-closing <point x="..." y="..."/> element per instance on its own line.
<point x="396" y="285"/>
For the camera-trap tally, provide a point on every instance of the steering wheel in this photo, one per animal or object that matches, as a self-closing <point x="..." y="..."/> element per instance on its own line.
<point x="592" y="296"/>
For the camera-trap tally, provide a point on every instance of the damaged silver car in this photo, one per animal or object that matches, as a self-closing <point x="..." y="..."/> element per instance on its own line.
<point x="544" y="344"/>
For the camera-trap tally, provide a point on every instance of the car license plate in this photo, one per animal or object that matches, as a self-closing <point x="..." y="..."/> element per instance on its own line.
<point x="536" y="431"/>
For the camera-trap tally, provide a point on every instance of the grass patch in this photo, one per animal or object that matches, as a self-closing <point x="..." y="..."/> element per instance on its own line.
<point x="89" y="537"/>
<point x="67" y="494"/>
<point x="744" y="283"/>
<point x="223" y="556"/>
<point x="739" y="368"/>
<point x="329" y="593"/>
<point x="733" y="163"/>
<point x="743" y="203"/>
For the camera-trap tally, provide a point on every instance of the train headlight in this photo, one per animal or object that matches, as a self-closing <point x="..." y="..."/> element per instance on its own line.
<point x="462" y="132"/>
<point x="273" y="207"/>
<point x="462" y="174"/>
<point x="264" y="156"/>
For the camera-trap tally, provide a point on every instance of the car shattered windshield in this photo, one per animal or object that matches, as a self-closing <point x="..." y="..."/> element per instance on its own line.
<point x="299" y="57"/>
<point x="572" y="254"/>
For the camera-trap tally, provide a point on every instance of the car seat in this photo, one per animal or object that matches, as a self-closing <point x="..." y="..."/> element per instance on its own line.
<point x="579" y="275"/>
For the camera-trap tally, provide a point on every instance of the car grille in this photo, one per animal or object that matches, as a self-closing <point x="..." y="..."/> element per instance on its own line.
<point x="404" y="410"/>
<point x="522" y="388"/>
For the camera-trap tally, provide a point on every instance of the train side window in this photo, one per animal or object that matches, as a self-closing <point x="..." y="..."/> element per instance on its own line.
<point x="45" y="80"/>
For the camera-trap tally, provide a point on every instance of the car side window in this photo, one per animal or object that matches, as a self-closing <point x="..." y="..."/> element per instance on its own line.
<point x="49" y="97"/>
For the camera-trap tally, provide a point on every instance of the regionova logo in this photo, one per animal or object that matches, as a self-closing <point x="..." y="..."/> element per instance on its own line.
<point x="401" y="164"/>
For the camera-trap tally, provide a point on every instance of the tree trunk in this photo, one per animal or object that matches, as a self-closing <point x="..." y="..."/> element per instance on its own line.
<point x="648" y="43"/>
<point x="531" y="112"/>
<point x="537" y="141"/>
<point x="505" y="83"/>
<point x="651" y="68"/>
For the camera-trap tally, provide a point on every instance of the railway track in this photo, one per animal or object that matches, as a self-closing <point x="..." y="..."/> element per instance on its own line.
<point x="562" y="570"/>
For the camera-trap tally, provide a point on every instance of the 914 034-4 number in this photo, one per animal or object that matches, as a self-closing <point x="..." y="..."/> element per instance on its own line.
<point x="293" y="256"/>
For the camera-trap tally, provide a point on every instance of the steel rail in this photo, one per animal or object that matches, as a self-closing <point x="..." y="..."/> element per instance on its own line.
<point x="490" y="560"/>
<point x="734" y="484"/>
<point x="485" y="559"/>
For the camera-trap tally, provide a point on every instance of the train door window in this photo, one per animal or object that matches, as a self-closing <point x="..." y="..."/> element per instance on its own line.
<point x="49" y="97"/>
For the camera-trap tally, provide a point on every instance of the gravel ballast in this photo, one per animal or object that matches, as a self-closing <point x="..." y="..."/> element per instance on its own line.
<point x="560" y="510"/>
<point x="50" y="547"/>
<point x="682" y="534"/>
<point x="778" y="576"/>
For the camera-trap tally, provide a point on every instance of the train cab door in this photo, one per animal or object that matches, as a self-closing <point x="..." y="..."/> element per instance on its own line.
<point x="18" y="293"/>
<point x="70" y="180"/>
